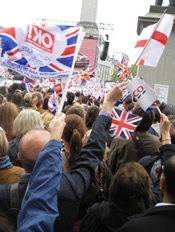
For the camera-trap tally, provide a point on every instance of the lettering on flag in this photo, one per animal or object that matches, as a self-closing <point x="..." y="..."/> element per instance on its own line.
<point x="142" y="92"/>
<point x="40" y="51"/>
<point x="58" y="87"/>
<point x="123" y="123"/>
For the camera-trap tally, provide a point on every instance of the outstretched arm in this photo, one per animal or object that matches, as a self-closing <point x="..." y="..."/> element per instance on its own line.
<point x="40" y="208"/>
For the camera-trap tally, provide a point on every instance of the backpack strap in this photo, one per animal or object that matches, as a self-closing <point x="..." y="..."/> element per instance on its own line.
<point x="14" y="196"/>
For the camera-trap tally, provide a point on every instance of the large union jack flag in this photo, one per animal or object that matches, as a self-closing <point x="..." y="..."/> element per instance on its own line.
<point x="40" y="51"/>
<point x="123" y="123"/>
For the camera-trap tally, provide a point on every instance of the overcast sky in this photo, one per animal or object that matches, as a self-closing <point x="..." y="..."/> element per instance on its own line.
<point x="123" y="13"/>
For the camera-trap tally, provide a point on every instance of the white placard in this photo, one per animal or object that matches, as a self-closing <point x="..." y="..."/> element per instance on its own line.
<point x="161" y="92"/>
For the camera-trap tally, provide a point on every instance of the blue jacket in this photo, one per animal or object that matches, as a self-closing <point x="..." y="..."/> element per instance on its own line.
<point x="40" y="207"/>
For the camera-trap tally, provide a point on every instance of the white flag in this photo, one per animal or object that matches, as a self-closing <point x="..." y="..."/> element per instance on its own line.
<point x="142" y="92"/>
<point x="152" y="41"/>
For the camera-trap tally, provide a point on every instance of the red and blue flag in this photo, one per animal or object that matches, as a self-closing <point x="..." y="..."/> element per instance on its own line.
<point x="123" y="123"/>
<point x="123" y="70"/>
<point x="40" y="51"/>
<point x="28" y="83"/>
<point x="53" y="104"/>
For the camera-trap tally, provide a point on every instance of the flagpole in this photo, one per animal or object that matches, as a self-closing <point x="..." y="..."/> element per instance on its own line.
<point x="158" y="23"/>
<point x="80" y="40"/>
<point x="64" y="92"/>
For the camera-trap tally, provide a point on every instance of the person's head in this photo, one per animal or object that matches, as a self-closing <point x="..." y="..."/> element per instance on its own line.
<point x="70" y="97"/>
<point x="30" y="146"/>
<point x="3" y="143"/>
<point x="85" y="99"/>
<point x="73" y="134"/>
<point x="17" y="98"/>
<point x="46" y="118"/>
<point x="167" y="181"/>
<point x="4" y="90"/>
<point x="28" y="98"/>
<point x="25" y="121"/>
<point x="8" y="113"/>
<point x="126" y="102"/>
<point x="130" y="188"/>
<point x="40" y="98"/>
<point x="76" y="109"/>
<point x="91" y="115"/>
<point x="1" y="98"/>
<point x="45" y="102"/>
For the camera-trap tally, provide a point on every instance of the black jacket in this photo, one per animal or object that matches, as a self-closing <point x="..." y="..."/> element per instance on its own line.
<point x="158" y="218"/>
<point x="73" y="185"/>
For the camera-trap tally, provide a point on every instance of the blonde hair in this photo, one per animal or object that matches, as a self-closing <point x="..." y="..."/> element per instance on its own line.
<point x="3" y="143"/>
<point x="28" y="98"/>
<point x="46" y="118"/>
<point x="25" y="121"/>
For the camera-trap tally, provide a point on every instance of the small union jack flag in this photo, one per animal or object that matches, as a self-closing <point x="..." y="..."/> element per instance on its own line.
<point x="123" y="123"/>
<point x="28" y="83"/>
<point x="123" y="70"/>
<point x="53" y="104"/>
<point x="80" y="78"/>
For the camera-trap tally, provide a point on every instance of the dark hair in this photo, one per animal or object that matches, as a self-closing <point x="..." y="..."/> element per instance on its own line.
<point x="17" y="98"/>
<point x="5" y="225"/>
<point x="45" y="102"/>
<point x="70" y="97"/>
<point x="3" y="90"/>
<point x="128" y="100"/>
<point x="146" y="122"/>
<point x="1" y="98"/>
<point x="130" y="188"/>
<point x="91" y="115"/>
<point x="169" y="174"/>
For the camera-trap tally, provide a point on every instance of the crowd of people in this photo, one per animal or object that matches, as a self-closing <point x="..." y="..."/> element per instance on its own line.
<point x="66" y="172"/>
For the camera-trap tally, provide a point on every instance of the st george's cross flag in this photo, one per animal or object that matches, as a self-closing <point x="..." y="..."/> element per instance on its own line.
<point x="123" y="123"/>
<point x="152" y="41"/>
<point x="40" y="51"/>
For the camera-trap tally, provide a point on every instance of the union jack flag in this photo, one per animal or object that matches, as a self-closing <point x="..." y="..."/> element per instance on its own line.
<point x="123" y="70"/>
<point x="28" y="83"/>
<point x="53" y="104"/>
<point x="40" y="51"/>
<point x="123" y="123"/>
<point x="80" y="78"/>
<point x="97" y="90"/>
